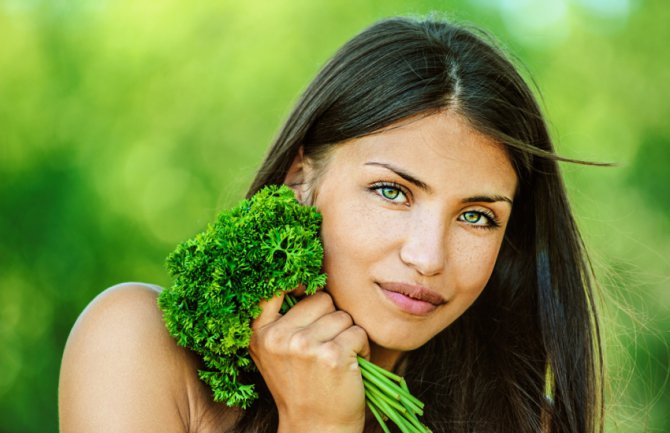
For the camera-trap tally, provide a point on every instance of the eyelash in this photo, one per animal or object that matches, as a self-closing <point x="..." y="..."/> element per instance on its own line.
<point x="377" y="187"/>
<point x="493" y="221"/>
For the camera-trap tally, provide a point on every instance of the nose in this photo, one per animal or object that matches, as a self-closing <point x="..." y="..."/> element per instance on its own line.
<point x="424" y="248"/>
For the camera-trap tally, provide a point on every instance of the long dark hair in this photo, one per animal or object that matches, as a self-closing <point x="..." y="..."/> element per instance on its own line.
<point x="526" y="356"/>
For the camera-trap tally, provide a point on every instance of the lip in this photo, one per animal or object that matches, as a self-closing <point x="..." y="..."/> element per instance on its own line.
<point x="411" y="298"/>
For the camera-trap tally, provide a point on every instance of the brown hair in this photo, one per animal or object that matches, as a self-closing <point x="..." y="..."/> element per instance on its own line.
<point x="526" y="356"/>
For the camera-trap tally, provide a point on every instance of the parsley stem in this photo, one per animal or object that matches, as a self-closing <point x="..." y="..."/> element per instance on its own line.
<point x="400" y="388"/>
<point x="407" y="413"/>
<point x="394" y="416"/>
<point x="385" y="385"/>
<point x="378" y="369"/>
<point x="290" y="300"/>
<point x="380" y="420"/>
<point x="370" y="388"/>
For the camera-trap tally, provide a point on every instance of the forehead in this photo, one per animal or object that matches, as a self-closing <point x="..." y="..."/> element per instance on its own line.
<point x="441" y="149"/>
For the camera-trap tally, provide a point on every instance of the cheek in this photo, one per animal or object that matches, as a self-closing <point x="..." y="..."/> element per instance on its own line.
<point x="355" y="241"/>
<point x="350" y="234"/>
<point x="475" y="265"/>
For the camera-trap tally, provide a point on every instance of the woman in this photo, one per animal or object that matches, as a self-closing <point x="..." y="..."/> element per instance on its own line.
<point x="451" y="253"/>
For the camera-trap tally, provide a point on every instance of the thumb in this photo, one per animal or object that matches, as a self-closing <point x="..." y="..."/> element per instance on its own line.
<point x="270" y="313"/>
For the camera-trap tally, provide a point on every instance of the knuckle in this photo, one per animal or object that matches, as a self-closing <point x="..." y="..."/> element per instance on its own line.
<point x="299" y="343"/>
<point x="359" y="334"/>
<point x="325" y="300"/>
<point x="357" y="330"/>
<point x="271" y="341"/>
<point x="343" y="317"/>
<point x="329" y="355"/>
<point x="273" y="335"/>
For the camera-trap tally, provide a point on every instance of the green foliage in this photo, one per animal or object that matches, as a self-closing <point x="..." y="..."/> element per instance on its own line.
<point x="264" y="246"/>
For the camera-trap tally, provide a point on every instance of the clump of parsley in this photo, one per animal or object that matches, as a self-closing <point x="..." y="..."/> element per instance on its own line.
<point x="266" y="245"/>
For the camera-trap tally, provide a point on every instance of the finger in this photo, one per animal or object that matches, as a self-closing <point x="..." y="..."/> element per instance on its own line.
<point x="327" y="327"/>
<point x="355" y="340"/>
<point x="298" y="291"/>
<point x="270" y="313"/>
<point x="310" y="309"/>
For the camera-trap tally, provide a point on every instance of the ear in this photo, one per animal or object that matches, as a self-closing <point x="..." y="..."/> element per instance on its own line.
<point x="297" y="176"/>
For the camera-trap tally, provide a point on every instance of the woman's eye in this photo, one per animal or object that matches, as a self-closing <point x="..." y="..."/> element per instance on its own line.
<point x="391" y="193"/>
<point x="480" y="219"/>
<point x="472" y="217"/>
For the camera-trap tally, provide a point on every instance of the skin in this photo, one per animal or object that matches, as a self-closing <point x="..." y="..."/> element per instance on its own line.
<point x="122" y="371"/>
<point x="423" y="203"/>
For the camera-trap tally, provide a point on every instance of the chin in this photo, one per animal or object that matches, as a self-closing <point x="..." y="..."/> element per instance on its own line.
<point x="397" y="342"/>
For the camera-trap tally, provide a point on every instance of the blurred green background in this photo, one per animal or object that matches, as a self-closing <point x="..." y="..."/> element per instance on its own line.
<point x="126" y="125"/>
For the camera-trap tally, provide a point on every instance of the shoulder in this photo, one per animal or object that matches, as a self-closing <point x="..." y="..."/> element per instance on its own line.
<point x="122" y="371"/>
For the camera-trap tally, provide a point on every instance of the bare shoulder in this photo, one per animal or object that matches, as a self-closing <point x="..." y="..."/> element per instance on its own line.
<point x="123" y="372"/>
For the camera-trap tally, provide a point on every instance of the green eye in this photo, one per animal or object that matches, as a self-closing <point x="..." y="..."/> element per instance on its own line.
<point x="480" y="219"/>
<point x="472" y="217"/>
<point x="390" y="193"/>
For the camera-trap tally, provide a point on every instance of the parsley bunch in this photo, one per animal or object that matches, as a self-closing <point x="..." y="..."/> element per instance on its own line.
<point x="264" y="246"/>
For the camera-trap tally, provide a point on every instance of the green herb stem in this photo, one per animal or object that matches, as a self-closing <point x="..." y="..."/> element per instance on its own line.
<point x="378" y="416"/>
<point x="371" y="389"/>
<point x="396" y="417"/>
<point x="387" y="386"/>
<point x="407" y="413"/>
<point x="290" y="300"/>
<point x="376" y="373"/>
<point x="377" y="369"/>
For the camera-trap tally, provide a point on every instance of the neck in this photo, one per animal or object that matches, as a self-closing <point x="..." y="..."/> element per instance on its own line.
<point x="388" y="359"/>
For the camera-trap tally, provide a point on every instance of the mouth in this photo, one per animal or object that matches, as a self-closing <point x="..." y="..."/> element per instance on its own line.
<point x="412" y="299"/>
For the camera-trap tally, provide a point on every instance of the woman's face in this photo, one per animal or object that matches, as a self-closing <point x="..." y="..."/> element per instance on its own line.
<point x="413" y="219"/>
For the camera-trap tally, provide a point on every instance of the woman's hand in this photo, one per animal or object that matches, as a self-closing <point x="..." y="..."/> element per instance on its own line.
<point x="308" y="360"/>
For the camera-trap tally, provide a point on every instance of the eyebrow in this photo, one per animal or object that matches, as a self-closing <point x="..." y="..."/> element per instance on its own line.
<point x="487" y="199"/>
<point x="424" y="186"/>
<point x="408" y="177"/>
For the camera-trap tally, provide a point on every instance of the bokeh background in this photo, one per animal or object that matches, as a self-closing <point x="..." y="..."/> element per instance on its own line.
<point x="126" y="125"/>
